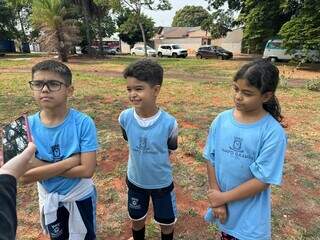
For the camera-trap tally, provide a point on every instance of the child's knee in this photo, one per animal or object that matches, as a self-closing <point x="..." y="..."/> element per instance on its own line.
<point x="138" y="224"/>
<point x="167" y="229"/>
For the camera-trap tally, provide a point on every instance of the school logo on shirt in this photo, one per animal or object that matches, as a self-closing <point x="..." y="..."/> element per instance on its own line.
<point x="143" y="145"/>
<point x="56" y="152"/>
<point x="236" y="144"/>
<point x="236" y="150"/>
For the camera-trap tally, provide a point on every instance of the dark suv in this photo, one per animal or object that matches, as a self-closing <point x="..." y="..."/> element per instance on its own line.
<point x="209" y="51"/>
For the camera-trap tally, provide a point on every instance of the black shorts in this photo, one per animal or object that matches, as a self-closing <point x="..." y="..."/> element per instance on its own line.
<point x="59" y="230"/>
<point x="163" y="200"/>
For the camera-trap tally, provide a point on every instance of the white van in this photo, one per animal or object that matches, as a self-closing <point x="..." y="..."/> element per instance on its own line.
<point x="274" y="51"/>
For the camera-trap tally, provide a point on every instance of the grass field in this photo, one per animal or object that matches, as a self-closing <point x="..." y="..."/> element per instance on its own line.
<point x="194" y="91"/>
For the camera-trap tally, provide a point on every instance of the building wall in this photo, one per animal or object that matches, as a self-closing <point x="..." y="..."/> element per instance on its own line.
<point x="231" y="42"/>
<point x="125" y="48"/>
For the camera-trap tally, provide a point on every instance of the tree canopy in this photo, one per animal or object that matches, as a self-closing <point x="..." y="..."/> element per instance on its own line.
<point x="137" y="17"/>
<point x="190" y="16"/>
<point x="261" y="20"/>
<point x="128" y="29"/>
<point x="7" y="21"/>
<point x="303" y="30"/>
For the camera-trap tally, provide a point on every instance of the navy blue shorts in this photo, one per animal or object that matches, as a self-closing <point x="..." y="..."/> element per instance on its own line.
<point x="59" y="230"/>
<point x="163" y="200"/>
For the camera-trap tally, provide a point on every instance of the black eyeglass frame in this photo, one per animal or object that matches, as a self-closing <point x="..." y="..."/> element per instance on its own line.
<point x="46" y="83"/>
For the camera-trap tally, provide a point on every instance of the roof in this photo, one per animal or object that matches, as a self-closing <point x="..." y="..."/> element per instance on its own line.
<point x="176" y="32"/>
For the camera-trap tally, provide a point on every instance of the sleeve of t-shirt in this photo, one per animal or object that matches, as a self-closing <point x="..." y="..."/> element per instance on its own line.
<point x="88" y="138"/>
<point x="173" y="137"/>
<point x="209" y="149"/>
<point x="268" y="166"/>
<point x="8" y="216"/>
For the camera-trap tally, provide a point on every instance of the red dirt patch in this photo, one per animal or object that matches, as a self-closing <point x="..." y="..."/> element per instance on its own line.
<point x="186" y="202"/>
<point x="112" y="159"/>
<point x="185" y="124"/>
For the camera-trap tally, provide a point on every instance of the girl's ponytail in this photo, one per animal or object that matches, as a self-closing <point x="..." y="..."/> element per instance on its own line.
<point x="273" y="107"/>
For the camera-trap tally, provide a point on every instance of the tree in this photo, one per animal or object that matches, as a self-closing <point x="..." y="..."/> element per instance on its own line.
<point x="303" y="30"/>
<point x="7" y="21"/>
<point x="22" y="10"/>
<point x="128" y="30"/>
<point x="56" y="31"/>
<point x="136" y="7"/>
<point x="190" y="16"/>
<point x="261" y="20"/>
<point x="219" y="23"/>
<point x="87" y="9"/>
<point x="235" y="5"/>
<point x="104" y="26"/>
<point x="95" y="21"/>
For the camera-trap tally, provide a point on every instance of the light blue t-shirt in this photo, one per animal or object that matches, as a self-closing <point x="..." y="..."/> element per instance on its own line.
<point x="149" y="165"/>
<point x="240" y="152"/>
<point x="76" y="134"/>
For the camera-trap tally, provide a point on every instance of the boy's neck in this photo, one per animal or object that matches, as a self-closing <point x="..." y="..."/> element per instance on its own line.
<point x="53" y="116"/>
<point x="146" y="113"/>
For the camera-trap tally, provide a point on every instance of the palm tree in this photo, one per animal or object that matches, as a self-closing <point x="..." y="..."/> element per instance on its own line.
<point x="57" y="31"/>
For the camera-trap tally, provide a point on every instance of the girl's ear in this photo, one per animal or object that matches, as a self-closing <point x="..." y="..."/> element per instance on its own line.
<point x="267" y="96"/>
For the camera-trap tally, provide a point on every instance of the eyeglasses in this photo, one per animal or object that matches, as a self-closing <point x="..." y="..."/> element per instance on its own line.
<point x="52" y="85"/>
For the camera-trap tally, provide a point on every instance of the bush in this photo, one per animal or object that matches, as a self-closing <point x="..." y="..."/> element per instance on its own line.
<point x="313" y="85"/>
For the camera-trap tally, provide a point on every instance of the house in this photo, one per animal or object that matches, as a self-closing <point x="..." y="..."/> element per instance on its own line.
<point x="192" y="38"/>
<point x="189" y="38"/>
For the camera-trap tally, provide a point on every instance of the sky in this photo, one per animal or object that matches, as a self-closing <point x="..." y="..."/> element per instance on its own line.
<point x="164" y="18"/>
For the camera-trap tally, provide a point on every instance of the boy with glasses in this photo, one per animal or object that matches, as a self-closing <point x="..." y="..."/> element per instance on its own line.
<point x="65" y="161"/>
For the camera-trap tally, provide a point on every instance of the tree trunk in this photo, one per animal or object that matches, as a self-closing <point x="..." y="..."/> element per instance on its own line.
<point x="61" y="48"/>
<point x="86" y="22"/>
<point x="144" y="38"/>
<point x="24" y="36"/>
<point x="100" y="35"/>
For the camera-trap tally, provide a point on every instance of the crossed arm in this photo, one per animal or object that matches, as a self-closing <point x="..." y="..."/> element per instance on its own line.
<point x="78" y="165"/>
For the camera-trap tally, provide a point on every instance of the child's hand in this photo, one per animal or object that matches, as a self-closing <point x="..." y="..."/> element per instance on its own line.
<point x="216" y="198"/>
<point x="220" y="213"/>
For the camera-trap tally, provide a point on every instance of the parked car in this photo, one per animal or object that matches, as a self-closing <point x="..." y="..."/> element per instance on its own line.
<point x="172" y="50"/>
<point x="139" y="50"/>
<point x="275" y="51"/>
<point x="109" y="51"/>
<point x="209" y="51"/>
